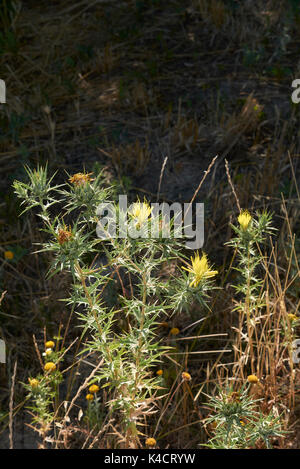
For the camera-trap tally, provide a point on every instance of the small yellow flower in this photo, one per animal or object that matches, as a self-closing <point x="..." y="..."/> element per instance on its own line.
<point x="292" y="317"/>
<point x="50" y="366"/>
<point x="150" y="442"/>
<point x="79" y="179"/>
<point x="8" y="255"/>
<point x="49" y="344"/>
<point x="140" y="212"/>
<point x="159" y="372"/>
<point x="48" y="351"/>
<point x="186" y="376"/>
<point x="244" y="219"/>
<point x="200" y="269"/>
<point x="174" y="331"/>
<point x="33" y="382"/>
<point x="252" y="379"/>
<point x="89" y="397"/>
<point x="94" y="388"/>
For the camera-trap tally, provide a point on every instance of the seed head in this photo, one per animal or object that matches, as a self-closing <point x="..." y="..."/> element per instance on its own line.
<point x="79" y="179"/>
<point x="64" y="235"/>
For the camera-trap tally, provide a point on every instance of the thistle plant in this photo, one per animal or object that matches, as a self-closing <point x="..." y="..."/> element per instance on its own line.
<point x="43" y="392"/>
<point x="121" y="334"/>
<point x="195" y="287"/>
<point x="237" y="424"/>
<point x="250" y="233"/>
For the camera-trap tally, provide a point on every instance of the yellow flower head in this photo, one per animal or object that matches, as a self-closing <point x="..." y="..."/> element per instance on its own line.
<point x="292" y="317"/>
<point x="94" y="388"/>
<point x="252" y="379"/>
<point x="244" y="219"/>
<point x="8" y="255"/>
<point x="33" y="382"/>
<point x="159" y="372"/>
<point x="48" y="351"/>
<point x="50" y="366"/>
<point x="200" y="269"/>
<point x="174" y="331"/>
<point x="186" y="376"/>
<point x="140" y="212"/>
<point x="89" y="397"/>
<point x="79" y="179"/>
<point x="49" y="344"/>
<point x="150" y="442"/>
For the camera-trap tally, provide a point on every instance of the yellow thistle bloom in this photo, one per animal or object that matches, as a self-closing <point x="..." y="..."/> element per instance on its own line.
<point x="174" y="331"/>
<point x="252" y="379"/>
<point x="50" y="366"/>
<point x="80" y="178"/>
<point x="8" y="255"/>
<point x="89" y="397"/>
<point x="150" y="442"/>
<point x="200" y="269"/>
<point x="244" y="219"/>
<point x="49" y="344"/>
<point x="292" y="317"/>
<point x="186" y="376"/>
<point x="94" y="388"/>
<point x="140" y="212"/>
<point x="159" y="372"/>
<point x="33" y="382"/>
